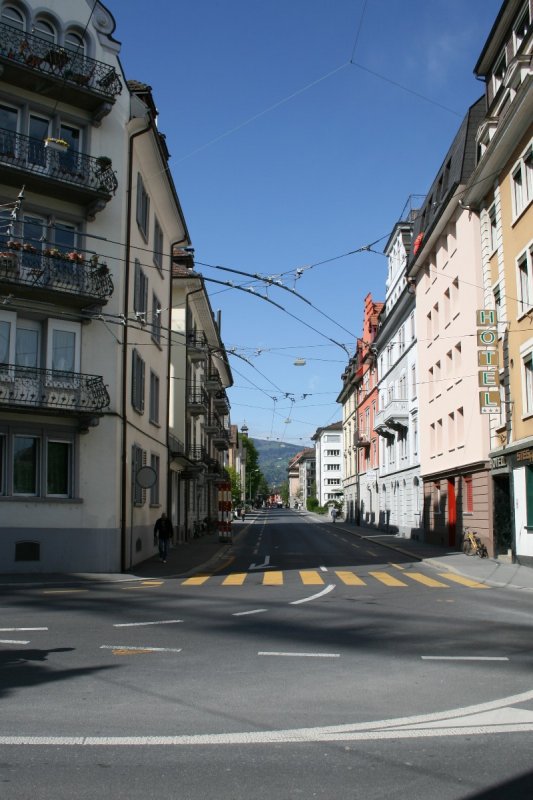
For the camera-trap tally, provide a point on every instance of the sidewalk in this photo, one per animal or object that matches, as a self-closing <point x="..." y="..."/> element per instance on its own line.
<point x="489" y="570"/>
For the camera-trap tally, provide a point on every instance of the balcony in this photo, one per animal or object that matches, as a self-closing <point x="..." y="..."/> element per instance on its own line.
<point x="362" y="438"/>
<point x="213" y="382"/>
<point x="51" y="276"/>
<point x="51" y="391"/>
<point x="220" y="439"/>
<point x="211" y="425"/>
<point x="197" y="454"/>
<point x="221" y="402"/>
<point x="196" y="346"/>
<point x="30" y="62"/>
<point x="396" y="414"/>
<point x="197" y="402"/>
<point x="72" y="176"/>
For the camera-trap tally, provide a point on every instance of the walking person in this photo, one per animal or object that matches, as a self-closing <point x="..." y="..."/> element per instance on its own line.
<point x="334" y="514"/>
<point x="163" y="531"/>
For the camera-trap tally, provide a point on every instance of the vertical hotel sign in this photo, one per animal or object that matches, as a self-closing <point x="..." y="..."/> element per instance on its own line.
<point x="488" y="361"/>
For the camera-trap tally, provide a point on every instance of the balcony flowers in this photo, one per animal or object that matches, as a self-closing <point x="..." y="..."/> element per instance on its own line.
<point x="52" y="143"/>
<point x="29" y="248"/>
<point x="77" y="258"/>
<point x="103" y="163"/>
<point x="13" y="244"/>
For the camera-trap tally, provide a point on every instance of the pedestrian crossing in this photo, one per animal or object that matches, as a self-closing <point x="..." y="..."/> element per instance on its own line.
<point x="310" y="577"/>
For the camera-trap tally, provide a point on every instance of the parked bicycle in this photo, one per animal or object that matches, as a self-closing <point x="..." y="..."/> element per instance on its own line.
<point x="473" y="546"/>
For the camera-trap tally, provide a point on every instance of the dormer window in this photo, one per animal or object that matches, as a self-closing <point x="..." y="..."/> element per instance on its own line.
<point x="499" y="72"/>
<point x="521" y="28"/>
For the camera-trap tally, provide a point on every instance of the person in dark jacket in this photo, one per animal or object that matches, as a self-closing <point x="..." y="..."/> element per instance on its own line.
<point x="163" y="531"/>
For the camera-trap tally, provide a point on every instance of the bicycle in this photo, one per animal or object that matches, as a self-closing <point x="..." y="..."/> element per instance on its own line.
<point x="473" y="546"/>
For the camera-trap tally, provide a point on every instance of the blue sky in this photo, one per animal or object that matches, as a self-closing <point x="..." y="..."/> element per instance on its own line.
<point x="292" y="143"/>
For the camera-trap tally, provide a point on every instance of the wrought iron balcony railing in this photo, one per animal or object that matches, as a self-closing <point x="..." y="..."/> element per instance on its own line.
<point x="197" y="453"/>
<point x="49" y="272"/>
<point x="79" y="173"/>
<point x="197" y="401"/>
<point x="40" y="61"/>
<point x="51" y="390"/>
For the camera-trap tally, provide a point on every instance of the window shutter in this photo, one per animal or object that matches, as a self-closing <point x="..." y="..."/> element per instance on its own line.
<point x="140" y="192"/>
<point x="141" y="399"/>
<point x="137" y="288"/>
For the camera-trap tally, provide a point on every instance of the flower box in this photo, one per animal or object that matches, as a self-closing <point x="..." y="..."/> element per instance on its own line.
<point x="56" y="144"/>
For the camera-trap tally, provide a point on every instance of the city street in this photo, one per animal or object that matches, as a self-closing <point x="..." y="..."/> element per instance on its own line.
<point x="308" y="662"/>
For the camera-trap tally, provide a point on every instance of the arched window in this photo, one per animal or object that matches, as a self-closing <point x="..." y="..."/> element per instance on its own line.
<point x="74" y="42"/>
<point x="44" y="30"/>
<point x="12" y="16"/>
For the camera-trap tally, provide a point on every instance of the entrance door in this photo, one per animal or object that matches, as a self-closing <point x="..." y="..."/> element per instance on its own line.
<point x="452" y="512"/>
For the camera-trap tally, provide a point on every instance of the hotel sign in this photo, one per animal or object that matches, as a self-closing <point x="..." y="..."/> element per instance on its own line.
<point x="488" y="361"/>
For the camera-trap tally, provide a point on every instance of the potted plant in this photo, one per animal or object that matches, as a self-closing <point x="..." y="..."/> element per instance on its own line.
<point x="76" y="257"/>
<point x="13" y="244"/>
<point x="103" y="163"/>
<point x="29" y="248"/>
<point x="52" y="143"/>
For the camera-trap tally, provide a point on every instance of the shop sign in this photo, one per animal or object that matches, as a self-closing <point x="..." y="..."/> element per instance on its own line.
<point x="498" y="462"/>
<point x="488" y="377"/>
<point x="525" y="455"/>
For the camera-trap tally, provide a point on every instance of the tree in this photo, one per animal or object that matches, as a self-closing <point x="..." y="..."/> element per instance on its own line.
<point x="236" y="489"/>
<point x="284" y="492"/>
<point x="254" y="476"/>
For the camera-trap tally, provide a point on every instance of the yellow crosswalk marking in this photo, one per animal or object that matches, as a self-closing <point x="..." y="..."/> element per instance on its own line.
<point x="349" y="578"/>
<point x="235" y="579"/>
<point x="426" y="580"/>
<point x="311" y="577"/>
<point x="197" y="580"/>
<point x="451" y="576"/>
<point x="273" y="578"/>
<point x="388" y="580"/>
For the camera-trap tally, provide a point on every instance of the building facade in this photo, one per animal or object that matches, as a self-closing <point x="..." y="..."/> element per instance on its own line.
<point x="500" y="191"/>
<point x="396" y="421"/>
<point x="329" y="463"/>
<point x="446" y="267"/>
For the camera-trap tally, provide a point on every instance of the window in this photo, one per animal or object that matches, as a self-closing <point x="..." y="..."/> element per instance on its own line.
<point x="436" y="320"/>
<point x="527" y="362"/>
<point x="401" y="340"/>
<point x="154" y="490"/>
<point x="525" y="288"/>
<point x="522" y="181"/>
<point x="137" y="382"/>
<point x="143" y="207"/>
<point x="36" y="463"/>
<point x="493" y="229"/>
<point x="439" y="436"/>
<point x="156" y="320"/>
<point x="158" y="244"/>
<point x="332" y="452"/>
<point x="460" y="426"/>
<point x="138" y="460"/>
<point x="74" y="43"/>
<point x="44" y="30"/>
<point x="27" y="344"/>
<point x="402" y="387"/>
<point x="11" y="16"/>
<point x="468" y="494"/>
<point x="447" y="307"/>
<point x="415" y="435"/>
<point x="140" y="292"/>
<point x="413" y="382"/>
<point x="332" y="467"/>
<point x="451" y="431"/>
<point x="521" y="28"/>
<point x="413" y="330"/>
<point x="154" y="398"/>
<point x="499" y="72"/>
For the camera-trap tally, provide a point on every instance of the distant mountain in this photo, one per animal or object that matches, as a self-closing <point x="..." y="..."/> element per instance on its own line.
<point x="274" y="459"/>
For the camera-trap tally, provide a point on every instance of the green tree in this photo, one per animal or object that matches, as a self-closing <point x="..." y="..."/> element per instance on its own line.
<point x="284" y="492"/>
<point x="235" y="480"/>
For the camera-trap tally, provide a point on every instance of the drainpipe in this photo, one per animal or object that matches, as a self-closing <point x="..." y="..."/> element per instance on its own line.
<point x="124" y="470"/>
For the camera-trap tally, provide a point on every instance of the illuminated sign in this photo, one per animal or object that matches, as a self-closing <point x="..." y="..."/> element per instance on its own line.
<point x="488" y="361"/>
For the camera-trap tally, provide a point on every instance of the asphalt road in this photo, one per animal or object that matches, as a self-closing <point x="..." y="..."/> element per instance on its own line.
<point x="311" y="664"/>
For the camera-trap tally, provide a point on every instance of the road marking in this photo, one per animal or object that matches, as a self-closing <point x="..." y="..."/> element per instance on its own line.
<point x="235" y="579"/>
<point x="397" y="566"/>
<point x="197" y="580"/>
<point x="370" y="553"/>
<point x="426" y="580"/>
<point x="349" y="578"/>
<point x="244" y="613"/>
<point x="496" y="716"/>
<point x="7" y="630"/>
<point x="14" y="641"/>
<point x="314" y="596"/>
<point x="152" y="583"/>
<point x="388" y="580"/>
<point x="311" y="578"/>
<point x="64" y="591"/>
<point x="323" y="569"/>
<point x="273" y="579"/>
<point x="298" y="655"/>
<point x="264" y="565"/>
<point x="127" y="648"/>
<point x="140" y="624"/>
<point x="451" y="576"/>
<point x="464" y="658"/>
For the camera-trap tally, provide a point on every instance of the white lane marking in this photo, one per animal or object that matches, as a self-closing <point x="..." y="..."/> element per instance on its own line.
<point x="6" y="630"/>
<point x="244" y="613"/>
<point x="464" y="658"/>
<point x="298" y="655"/>
<point x="140" y="624"/>
<point x="264" y="565"/>
<point x="14" y="641"/>
<point x="327" y="590"/>
<point x="144" y="649"/>
<point x="323" y="569"/>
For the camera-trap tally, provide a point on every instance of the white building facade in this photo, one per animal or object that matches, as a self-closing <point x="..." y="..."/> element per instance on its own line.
<point x="396" y="421"/>
<point x="329" y="463"/>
